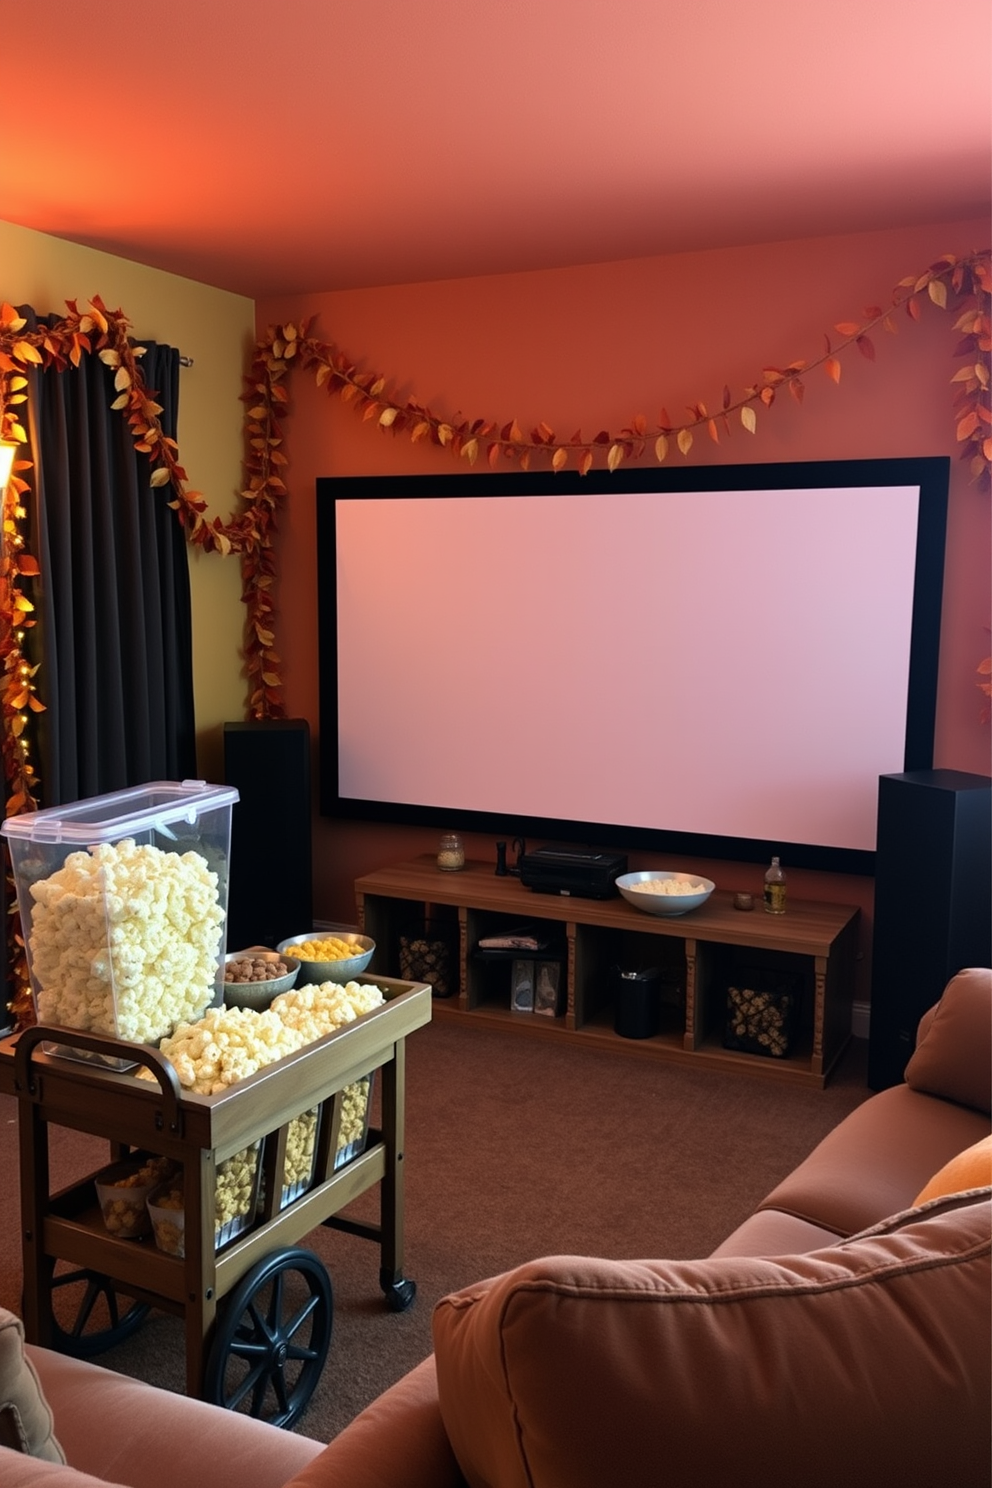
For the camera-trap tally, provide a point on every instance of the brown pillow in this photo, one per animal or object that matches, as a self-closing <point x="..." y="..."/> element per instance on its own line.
<point x="25" y="1418"/>
<point x="864" y="1363"/>
<point x="953" y="1055"/>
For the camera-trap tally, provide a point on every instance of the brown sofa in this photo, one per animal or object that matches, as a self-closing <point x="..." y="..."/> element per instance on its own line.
<point x="840" y="1335"/>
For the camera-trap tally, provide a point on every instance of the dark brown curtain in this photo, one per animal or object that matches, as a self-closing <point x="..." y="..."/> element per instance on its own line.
<point x="114" y="633"/>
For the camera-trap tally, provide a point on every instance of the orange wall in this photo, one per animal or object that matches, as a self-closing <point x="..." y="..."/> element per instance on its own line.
<point x="588" y="348"/>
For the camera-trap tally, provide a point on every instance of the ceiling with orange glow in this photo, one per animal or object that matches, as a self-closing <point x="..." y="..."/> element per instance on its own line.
<point x="317" y="145"/>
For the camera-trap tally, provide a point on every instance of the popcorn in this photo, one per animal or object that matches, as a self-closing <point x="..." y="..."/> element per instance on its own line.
<point x="122" y="1195"/>
<point x="314" y="1011"/>
<point x="300" y="1136"/>
<point x="124" y="940"/>
<point x="227" y="1045"/>
<point x="679" y="885"/>
<point x="126" y="1219"/>
<point x="168" y="1219"/>
<point x="235" y="1191"/>
<point x="354" y="1108"/>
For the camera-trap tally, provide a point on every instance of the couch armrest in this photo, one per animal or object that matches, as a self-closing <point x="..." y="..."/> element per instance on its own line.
<point x="123" y="1431"/>
<point x="398" y="1441"/>
<point x="20" y="1471"/>
<point x="876" y="1160"/>
<point x="953" y="1054"/>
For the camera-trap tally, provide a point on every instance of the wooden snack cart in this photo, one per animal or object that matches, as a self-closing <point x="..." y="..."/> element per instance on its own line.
<point x="243" y="1349"/>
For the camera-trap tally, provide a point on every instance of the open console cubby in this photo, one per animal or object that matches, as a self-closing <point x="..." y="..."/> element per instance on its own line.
<point x="807" y="954"/>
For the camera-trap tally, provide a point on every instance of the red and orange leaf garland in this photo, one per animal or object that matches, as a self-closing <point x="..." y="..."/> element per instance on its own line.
<point x="964" y="281"/>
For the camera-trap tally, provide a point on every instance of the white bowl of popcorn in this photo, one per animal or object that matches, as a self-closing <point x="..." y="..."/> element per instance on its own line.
<point x="664" y="891"/>
<point x="329" y="956"/>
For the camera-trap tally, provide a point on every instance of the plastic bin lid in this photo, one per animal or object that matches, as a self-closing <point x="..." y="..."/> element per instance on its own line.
<point x="109" y="817"/>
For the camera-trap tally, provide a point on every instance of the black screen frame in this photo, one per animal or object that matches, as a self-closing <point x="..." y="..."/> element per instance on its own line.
<point x="931" y="474"/>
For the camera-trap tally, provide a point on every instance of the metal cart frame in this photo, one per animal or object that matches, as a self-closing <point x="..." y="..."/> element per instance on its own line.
<point x="136" y="1115"/>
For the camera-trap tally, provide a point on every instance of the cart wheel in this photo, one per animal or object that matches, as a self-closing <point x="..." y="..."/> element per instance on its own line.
<point x="103" y="1316"/>
<point x="272" y="1338"/>
<point x="399" y="1294"/>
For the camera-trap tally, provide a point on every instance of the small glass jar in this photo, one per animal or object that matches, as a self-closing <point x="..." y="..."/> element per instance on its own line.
<point x="451" y="853"/>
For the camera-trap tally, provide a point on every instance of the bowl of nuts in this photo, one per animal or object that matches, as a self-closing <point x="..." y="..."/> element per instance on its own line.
<point x="253" y="977"/>
<point x="329" y="958"/>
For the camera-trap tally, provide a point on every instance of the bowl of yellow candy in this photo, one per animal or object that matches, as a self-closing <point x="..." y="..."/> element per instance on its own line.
<point x="329" y="958"/>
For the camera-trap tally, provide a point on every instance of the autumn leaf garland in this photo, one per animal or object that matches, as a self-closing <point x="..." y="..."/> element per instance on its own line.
<point x="967" y="280"/>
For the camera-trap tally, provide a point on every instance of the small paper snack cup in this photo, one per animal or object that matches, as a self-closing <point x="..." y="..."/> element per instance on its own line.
<point x="122" y="1191"/>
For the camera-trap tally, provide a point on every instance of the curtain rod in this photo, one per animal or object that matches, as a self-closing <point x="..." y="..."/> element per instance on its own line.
<point x="185" y="361"/>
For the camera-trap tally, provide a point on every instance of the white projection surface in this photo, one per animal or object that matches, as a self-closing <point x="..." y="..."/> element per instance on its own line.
<point x="711" y="662"/>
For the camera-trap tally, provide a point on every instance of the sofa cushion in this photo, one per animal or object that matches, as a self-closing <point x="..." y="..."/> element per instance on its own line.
<point x="25" y="1417"/>
<point x="876" y="1160"/>
<point x="769" y="1232"/>
<point x="953" y="1054"/>
<point x="864" y="1363"/>
<point x="971" y="1168"/>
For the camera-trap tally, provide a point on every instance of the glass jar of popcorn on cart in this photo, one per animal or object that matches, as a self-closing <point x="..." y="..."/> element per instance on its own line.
<point x="123" y="906"/>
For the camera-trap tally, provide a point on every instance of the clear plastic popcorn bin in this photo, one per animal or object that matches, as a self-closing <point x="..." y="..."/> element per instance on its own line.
<point x="123" y="905"/>
<point x="356" y="1104"/>
<point x="301" y="1154"/>
<point x="236" y="1195"/>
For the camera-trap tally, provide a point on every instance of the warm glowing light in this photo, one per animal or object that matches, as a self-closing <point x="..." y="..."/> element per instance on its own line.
<point x="7" y="455"/>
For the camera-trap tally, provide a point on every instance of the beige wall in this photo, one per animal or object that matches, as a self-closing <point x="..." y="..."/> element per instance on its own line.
<point x="216" y="329"/>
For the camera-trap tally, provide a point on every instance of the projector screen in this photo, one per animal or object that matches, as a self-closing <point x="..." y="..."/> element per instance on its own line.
<point x="720" y="661"/>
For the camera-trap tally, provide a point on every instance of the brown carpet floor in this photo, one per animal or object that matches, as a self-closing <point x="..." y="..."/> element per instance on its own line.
<point x="516" y="1148"/>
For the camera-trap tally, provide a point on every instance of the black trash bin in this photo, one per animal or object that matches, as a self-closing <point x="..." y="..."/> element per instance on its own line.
<point x="636" y="1002"/>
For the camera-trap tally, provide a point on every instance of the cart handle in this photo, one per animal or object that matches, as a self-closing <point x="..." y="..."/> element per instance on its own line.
<point x="168" y="1080"/>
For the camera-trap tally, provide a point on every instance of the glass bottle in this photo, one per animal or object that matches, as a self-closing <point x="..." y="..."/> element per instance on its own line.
<point x="775" y="889"/>
<point x="450" y="853"/>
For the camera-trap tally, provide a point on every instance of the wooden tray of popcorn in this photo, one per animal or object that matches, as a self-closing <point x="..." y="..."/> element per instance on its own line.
<point x="317" y="1148"/>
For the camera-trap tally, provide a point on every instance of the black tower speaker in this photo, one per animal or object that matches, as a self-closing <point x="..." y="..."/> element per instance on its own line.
<point x="271" y="879"/>
<point x="933" y="903"/>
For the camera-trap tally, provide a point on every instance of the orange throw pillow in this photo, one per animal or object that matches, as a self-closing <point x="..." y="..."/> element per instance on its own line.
<point x="972" y="1168"/>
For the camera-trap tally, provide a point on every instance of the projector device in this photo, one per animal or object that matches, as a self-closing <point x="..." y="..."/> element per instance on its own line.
<point x="583" y="871"/>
